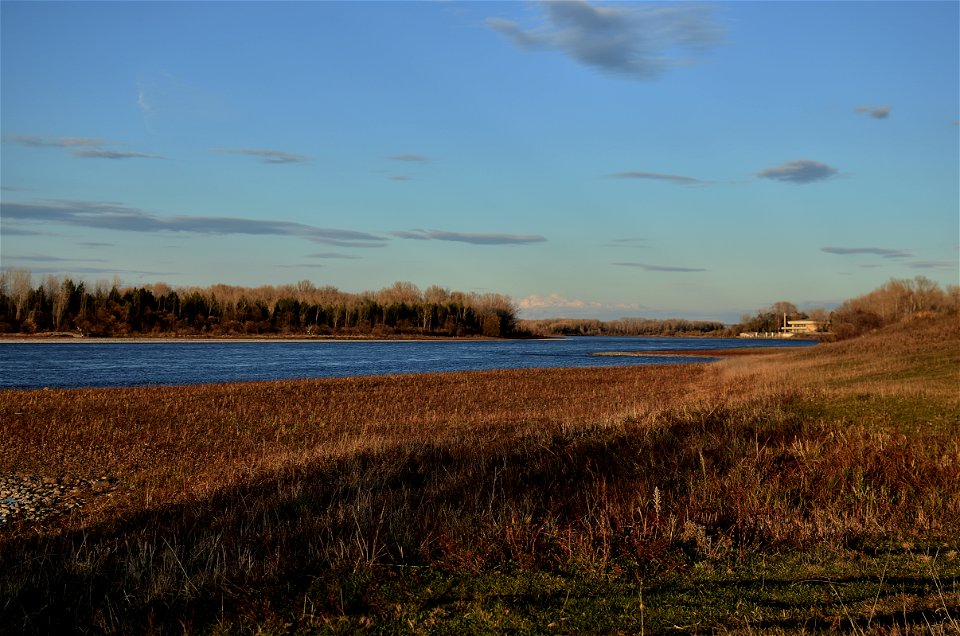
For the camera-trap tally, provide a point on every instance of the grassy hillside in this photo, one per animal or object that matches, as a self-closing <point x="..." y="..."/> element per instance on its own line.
<point x="798" y="492"/>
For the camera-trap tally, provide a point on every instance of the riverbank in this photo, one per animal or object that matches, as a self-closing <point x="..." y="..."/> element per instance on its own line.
<point x="796" y="492"/>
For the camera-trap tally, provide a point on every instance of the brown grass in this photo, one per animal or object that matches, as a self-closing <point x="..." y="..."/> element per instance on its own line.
<point x="229" y="500"/>
<point x="190" y="441"/>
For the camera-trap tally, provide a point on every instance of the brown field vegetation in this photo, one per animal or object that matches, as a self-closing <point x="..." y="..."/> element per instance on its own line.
<point x="611" y="500"/>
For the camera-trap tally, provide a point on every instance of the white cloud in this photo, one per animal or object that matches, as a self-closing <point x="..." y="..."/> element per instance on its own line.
<point x="553" y="303"/>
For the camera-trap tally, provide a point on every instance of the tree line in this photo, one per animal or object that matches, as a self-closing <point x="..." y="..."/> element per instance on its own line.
<point x="622" y="327"/>
<point x="895" y="301"/>
<point x="892" y="302"/>
<point x="114" y="310"/>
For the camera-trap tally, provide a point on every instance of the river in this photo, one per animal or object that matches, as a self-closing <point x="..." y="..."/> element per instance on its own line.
<point x="118" y="363"/>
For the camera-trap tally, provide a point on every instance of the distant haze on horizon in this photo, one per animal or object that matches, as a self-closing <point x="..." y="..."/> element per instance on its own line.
<point x="586" y="159"/>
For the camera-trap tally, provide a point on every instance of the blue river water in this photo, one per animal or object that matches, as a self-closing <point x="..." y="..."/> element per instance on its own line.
<point x="105" y="363"/>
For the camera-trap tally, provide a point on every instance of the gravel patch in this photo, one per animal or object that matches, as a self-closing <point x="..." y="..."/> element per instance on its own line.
<point x="30" y="498"/>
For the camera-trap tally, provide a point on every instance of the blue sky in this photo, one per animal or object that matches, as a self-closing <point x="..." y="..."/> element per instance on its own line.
<point x="587" y="159"/>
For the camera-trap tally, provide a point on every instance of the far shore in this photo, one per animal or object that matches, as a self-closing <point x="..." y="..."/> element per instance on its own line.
<point x="6" y="339"/>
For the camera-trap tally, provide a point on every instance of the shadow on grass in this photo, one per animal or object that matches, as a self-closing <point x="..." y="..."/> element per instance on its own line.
<point x="580" y="513"/>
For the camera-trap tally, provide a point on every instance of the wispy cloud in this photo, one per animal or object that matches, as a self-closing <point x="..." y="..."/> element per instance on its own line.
<point x="113" y="154"/>
<point x="877" y="112"/>
<point x="944" y="265"/>
<point x="10" y="230"/>
<point x="266" y="155"/>
<point x="112" y="216"/>
<point x="400" y="177"/>
<point x="633" y="41"/>
<point x="801" y="171"/>
<point x="82" y="147"/>
<point x="163" y="96"/>
<point x="53" y="266"/>
<point x="656" y="176"/>
<point x="410" y="158"/>
<point x="143" y="103"/>
<point x="466" y="237"/>
<point x="302" y="266"/>
<point x="904" y="257"/>
<point x="334" y="255"/>
<point x="55" y="142"/>
<point x="628" y="242"/>
<point x="660" y="268"/>
<point x="56" y="259"/>
<point x="875" y="251"/>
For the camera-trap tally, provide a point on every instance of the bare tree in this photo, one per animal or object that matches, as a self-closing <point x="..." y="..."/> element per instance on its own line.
<point x="61" y="300"/>
<point x="401" y="292"/>
<point x="21" y="287"/>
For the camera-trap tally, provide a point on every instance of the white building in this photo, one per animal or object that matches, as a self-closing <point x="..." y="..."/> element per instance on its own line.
<point x="802" y="326"/>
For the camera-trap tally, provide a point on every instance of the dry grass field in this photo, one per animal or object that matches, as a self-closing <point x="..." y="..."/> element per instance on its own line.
<point x="797" y="492"/>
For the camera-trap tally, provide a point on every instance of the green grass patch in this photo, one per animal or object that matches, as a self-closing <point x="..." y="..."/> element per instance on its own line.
<point x="894" y="413"/>
<point x="905" y="587"/>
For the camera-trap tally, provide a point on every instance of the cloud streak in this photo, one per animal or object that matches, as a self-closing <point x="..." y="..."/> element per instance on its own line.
<point x="410" y="158"/>
<point x="112" y="154"/>
<point x="81" y="147"/>
<point x="801" y="171"/>
<point x="893" y="254"/>
<point x="111" y="216"/>
<point x="875" y="251"/>
<point x="55" y="142"/>
<point x="334" y="255"/>
<point x="944" y="265"/>
<point x="656" y="176"/>
<point x="636" y="42"/>
<point x="472" y="238"/>
<point x="265" y="155"/>
<point x="660" y="268"/>
<point x="57" y="259"/>
<point x="628" y="242"/>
